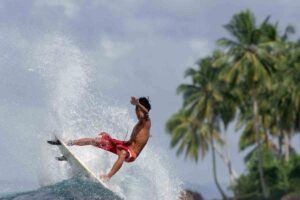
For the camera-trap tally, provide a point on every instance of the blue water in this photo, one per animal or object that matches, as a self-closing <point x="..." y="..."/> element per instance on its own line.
<point x="74" y="188"/>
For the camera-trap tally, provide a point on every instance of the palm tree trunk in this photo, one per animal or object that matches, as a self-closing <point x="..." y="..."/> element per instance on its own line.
<point x="232" y="173"/>
<point x="226" y="159"/>
<point x="286" y="146"/>
<point x="258" y="142"/>
<point x="225" y="156"/>
<point x="214" y="166"/>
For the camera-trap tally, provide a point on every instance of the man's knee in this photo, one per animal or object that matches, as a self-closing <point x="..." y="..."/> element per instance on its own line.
<point x="94" y="142"/>
<point x="122" y="154"/>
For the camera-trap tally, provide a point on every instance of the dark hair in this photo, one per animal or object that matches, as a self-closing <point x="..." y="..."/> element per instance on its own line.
<point x="145" y="102"/>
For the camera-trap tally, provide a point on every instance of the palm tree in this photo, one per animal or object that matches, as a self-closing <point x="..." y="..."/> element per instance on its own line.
<point x="284" y="111"/>
<point x="189" y="134"/>
<point x="279" y="107"/>
<point x="275" y="103"/>
<point x="250" y="66"/>
<point x="294" y="72"/>
<point x="227" y="112"/>
<point x="199" y="118"/>
<point x="287" y="96"/>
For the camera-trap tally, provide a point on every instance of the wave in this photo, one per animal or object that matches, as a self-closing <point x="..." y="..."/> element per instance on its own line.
<point x="74" y="188"/>
<point x="76" y="110"/>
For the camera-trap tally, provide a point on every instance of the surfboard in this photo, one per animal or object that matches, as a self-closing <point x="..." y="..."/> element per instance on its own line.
<point x="77" y="165"/>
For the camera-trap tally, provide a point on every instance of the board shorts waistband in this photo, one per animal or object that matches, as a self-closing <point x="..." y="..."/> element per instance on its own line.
<point x="106" y="142"/>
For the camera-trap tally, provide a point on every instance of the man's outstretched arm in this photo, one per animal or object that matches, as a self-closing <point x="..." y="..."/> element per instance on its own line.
<point x="135" y="101"/>
<point x="115" y="168"/>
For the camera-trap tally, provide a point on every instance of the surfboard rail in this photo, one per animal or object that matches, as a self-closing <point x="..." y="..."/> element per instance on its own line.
<point x="77" y="165"/>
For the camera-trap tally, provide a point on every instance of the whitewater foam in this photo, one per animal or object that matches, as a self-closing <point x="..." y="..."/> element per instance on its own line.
<point x="75" y="110"/>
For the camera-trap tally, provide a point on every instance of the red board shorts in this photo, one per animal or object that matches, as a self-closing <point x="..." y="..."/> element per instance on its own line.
<point x="104" y="141"/>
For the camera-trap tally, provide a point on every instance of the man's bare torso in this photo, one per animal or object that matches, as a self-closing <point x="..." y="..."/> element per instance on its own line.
<point x="140" y="135"/>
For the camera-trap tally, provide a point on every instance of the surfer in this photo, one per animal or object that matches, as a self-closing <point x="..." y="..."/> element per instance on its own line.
<point x="127" y="151"/>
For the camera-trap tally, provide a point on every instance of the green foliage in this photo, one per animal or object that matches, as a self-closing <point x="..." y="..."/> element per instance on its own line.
<point x="193" y="125"/>
<point x="252" y="80"/>
<point x="281" y="177"/>
<point x="189" y="135"/>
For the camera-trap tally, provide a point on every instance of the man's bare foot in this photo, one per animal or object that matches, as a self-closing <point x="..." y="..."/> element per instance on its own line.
<point x="70" y="143"/>
<point x="105" y="177"/>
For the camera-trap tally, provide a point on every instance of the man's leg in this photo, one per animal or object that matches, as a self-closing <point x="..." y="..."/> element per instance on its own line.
<point x="84" y="141"/>
<point x="115" y="168"/>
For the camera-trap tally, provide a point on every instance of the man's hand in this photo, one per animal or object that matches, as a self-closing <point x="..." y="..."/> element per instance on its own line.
<point x="105" y="177"/>
<point x="102" y="133"/>
<point x="134" y="101"/>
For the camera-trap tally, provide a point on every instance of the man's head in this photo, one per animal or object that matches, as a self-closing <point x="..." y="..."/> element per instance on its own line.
<point x="145" y="102"/>
<point x="142" y="106"/>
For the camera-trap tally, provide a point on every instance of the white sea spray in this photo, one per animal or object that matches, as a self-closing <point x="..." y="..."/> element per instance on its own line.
<point x="75" y="110"/>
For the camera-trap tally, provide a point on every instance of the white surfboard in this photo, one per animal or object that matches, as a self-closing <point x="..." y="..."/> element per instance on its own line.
<point x="77" y="165"/>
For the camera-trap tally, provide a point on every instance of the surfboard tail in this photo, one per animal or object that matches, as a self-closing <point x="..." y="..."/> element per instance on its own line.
<point x="54" y="142"/>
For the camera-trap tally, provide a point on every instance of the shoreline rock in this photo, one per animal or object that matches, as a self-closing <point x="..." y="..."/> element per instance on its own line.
<point x="190" y="195"/>
<point x="291" y="196"/>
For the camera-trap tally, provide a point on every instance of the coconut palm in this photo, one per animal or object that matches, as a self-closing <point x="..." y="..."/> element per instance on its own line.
<point x="278" y="105"/>
<point x="295" y="74"/>
<point x="227" y="112"/>
<point x="275" y="117"/>
<point x="250" y="66"/>
<point x="287" y="96"/>
<point x="188" y="134"/>
<point x="199" y="115"/>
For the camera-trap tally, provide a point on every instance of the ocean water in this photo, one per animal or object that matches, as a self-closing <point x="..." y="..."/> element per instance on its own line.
<point x="74" y="109"/>
<point x="74" y="188"/>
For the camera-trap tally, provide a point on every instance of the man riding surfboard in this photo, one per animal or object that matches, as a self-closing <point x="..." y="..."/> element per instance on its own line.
<point x="127" y="151"/>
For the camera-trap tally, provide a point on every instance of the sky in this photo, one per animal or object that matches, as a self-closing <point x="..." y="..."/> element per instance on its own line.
<point x="137" y="47"/>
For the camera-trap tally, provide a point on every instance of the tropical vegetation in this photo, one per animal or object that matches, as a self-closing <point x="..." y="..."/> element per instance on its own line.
<point x="250" y="81"/>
